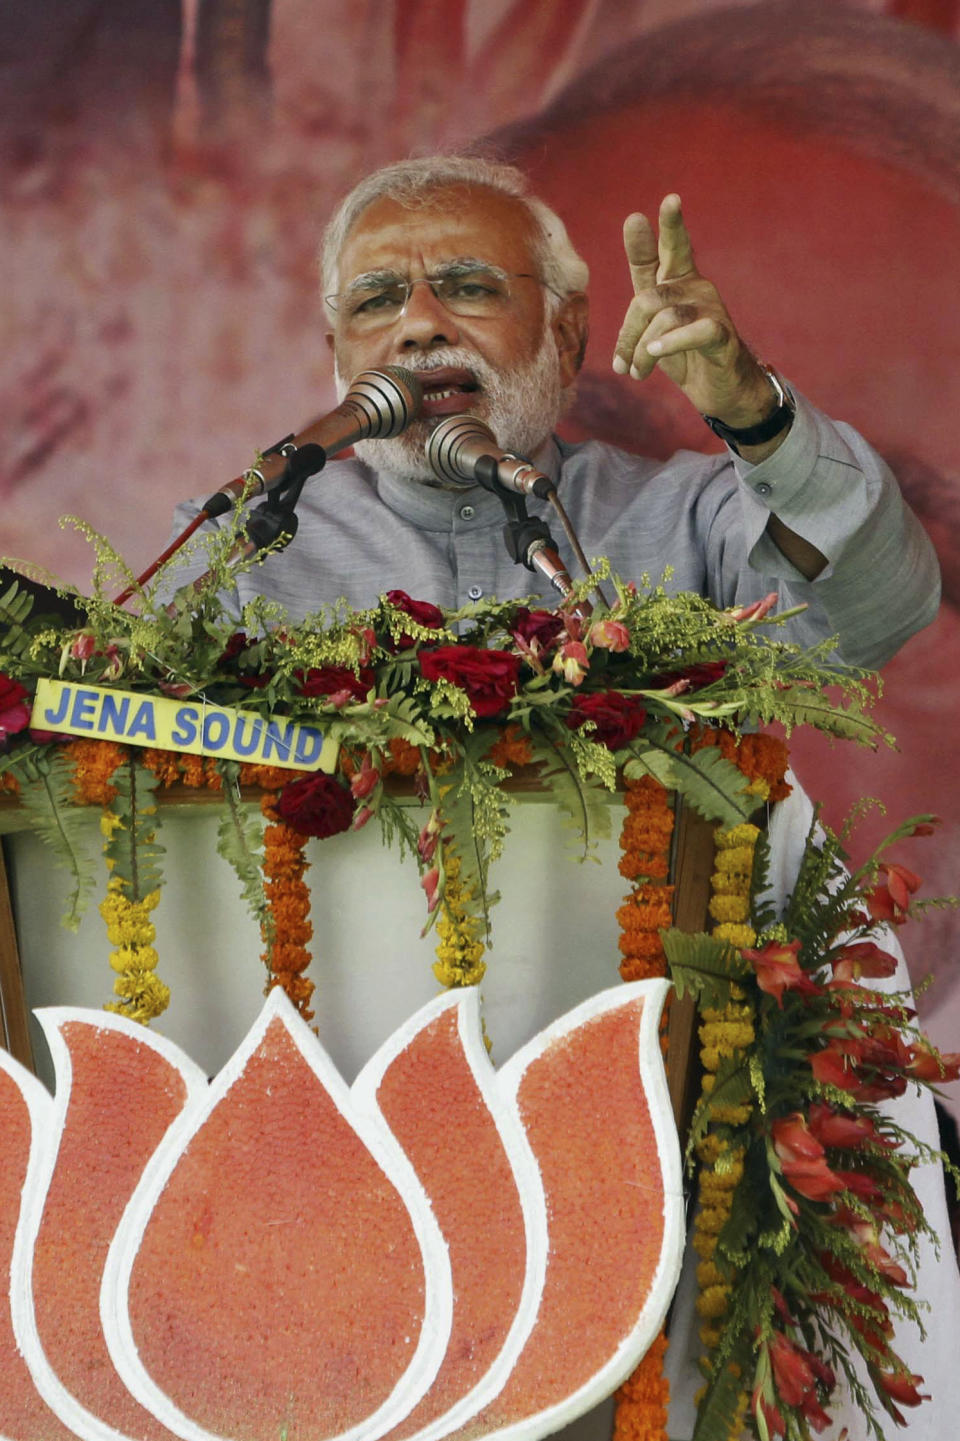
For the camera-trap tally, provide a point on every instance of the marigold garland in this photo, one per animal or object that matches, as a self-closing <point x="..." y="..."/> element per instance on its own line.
<point x="646" y="836"/>
<point x="645" y="841"/>
<point x="94" y="762"/>
<point x="723" y="1032"/>
<point x="285" y="937"/>
<point x="641" y="1402"/>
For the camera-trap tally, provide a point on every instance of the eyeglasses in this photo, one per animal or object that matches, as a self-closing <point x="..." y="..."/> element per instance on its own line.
<point x="380" y="298"/>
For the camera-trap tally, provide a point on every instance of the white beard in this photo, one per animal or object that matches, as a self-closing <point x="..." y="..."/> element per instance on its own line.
<point x="521" y="406"/>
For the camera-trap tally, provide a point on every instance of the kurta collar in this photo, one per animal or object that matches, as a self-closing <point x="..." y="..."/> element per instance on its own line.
<point x="430" y="508"/>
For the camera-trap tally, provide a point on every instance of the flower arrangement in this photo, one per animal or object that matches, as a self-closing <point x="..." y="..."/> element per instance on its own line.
<point x="660" y="690"/>
<point x="808" y="1225"/>
<point x="583" y="697"/>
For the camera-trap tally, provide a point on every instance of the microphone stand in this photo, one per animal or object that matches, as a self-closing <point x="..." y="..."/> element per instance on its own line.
<point x="528" y="539"/>
<point x="274" y="522"/>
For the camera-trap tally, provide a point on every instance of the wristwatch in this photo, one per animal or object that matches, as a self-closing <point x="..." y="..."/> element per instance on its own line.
<point x="780" y="417"/>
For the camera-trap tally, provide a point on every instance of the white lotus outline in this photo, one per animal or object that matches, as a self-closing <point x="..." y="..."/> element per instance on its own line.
<point x="114" y="1315"/>
<point x="526" y="1173"/>
<point x="501" y="1092"/>
<point x="634" y="1344"/>
<point x="74" y="1415"/>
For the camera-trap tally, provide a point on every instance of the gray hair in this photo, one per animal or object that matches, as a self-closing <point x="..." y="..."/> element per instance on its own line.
<point x="412" y="182"/>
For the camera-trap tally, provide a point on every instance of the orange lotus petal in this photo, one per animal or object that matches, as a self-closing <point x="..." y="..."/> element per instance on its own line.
<point x="591" y="1094"/>
<point x="274" y="1264"/>
<point x="25" y="1117"/>
<point x="437" y="1091"/>
<point x="118" y="1088"/>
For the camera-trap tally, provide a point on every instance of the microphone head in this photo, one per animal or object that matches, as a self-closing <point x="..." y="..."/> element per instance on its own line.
<point x="388" y="400"/>
<point x="454" y="445"/>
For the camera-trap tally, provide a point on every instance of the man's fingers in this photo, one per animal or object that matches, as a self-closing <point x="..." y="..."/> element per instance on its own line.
<point x="647" y="337"/>
<point x="675" y="252"/>
<point x="706" y="334"/>
<point x="640" y="243"/>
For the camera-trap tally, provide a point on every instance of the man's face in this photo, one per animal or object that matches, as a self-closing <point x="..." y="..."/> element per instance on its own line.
<point x="509" y="368"/>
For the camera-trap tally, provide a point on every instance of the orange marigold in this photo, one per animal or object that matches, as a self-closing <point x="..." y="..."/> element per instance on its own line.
<point x="94" y="764"/>
<point x="512" y="748"/>
<point x="642" y="1400"/>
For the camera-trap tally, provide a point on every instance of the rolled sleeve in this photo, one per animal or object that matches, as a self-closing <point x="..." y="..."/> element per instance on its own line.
<point x="881" y="581"/>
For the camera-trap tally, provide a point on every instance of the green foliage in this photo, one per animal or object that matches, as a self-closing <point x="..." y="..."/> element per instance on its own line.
<point x="702" y="965"/>
<point x="581" y="799"/>
<point x="240" y="843"/>
<point x="829" y="1229"/>
<point x="46" y="795"/>
<point x="132" y="850"/>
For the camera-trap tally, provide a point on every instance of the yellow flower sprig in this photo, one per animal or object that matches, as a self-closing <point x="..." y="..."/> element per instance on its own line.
<point x="460" y="948"/>
<point x="128" y="828"/>
<point x="131" y="933"/>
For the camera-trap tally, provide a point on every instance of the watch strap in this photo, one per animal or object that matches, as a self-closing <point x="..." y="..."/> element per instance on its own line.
<point x="772" y="424"/>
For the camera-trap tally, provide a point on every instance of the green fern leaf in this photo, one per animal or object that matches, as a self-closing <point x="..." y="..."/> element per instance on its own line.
<point x="703" y="965"/>
<point x="47" y="798"/>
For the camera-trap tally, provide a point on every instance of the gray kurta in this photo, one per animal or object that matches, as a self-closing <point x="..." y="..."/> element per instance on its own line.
<point x="361" y="534"/>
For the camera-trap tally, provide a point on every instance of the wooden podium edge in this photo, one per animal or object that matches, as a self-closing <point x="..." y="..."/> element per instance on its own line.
<point x="692" y="868"/>
<point x="14" y="1019"/>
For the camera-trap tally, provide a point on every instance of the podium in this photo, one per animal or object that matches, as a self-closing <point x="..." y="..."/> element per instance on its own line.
<point x="554" y="939"/>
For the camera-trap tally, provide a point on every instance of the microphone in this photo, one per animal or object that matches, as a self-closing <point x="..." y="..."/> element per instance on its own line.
<point x="379" y="404"/>
<point x="461" y="449"/>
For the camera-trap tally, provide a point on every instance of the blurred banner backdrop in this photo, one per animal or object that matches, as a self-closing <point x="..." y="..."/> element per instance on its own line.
<point x="166" y="168"/>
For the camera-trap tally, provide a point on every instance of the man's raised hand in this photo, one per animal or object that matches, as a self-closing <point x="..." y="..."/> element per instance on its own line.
<point x="677" y="320"/>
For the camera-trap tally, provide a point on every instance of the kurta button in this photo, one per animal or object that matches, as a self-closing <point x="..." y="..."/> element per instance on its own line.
<point x="475" y="592"/>
<point x="467" y="512"/>
<point x="762" y="488"/>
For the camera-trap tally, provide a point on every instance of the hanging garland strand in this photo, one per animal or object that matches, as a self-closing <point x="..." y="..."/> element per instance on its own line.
<point x="726" y="1030"/>
<point x="288" y="929"/>
<point x="641" y="1402"/>
<point x="128" y="826"/>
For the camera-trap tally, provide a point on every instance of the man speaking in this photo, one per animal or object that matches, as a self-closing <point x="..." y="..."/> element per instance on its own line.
<point x="448" y="267"/>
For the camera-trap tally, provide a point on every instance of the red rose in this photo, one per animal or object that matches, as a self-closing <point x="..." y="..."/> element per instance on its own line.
<point x="232" y="659"/>
<point x="537" y="628"/>
<point x="316" y="805"/>
<point x="14" y="707"/>
<point x="332" y="679"/>
<point x="617" y="717"/>
<point x="489" y="677"/>
<point x="694" y="677"/>
<point x="419" y="610"/>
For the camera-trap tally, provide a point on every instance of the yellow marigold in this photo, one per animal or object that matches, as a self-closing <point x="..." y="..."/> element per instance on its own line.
<point x="730" y="883"/>
<point x="726" y="1115"/>
<point x="709" y="1274"/>
<point x="732" y="1011"/>
<point x="744" y="834"/>
<point x="729" y="909"/>
<point x="712" y="1302"/>
<point x="759" y="788"/>
<point x="737" y="860"/>
<point x="736" y="934"/>
<point x="145" y="996"/>
<point x="711" y="1219"/>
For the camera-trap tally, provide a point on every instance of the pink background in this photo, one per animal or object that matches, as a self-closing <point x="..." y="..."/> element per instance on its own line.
<point x="165" y="171"/>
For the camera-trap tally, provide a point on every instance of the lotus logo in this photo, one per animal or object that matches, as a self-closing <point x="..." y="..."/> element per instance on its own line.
<point x="441" y="1249"/>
